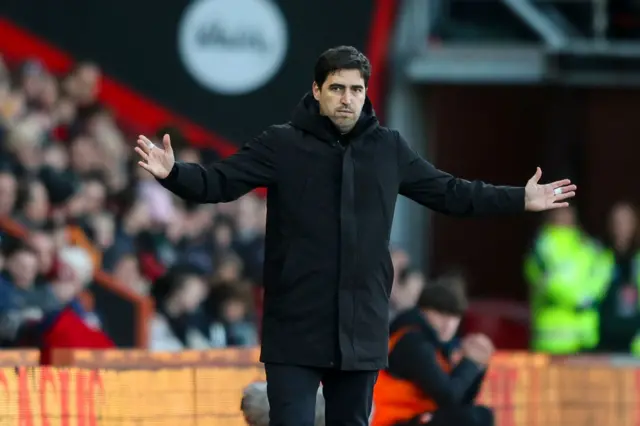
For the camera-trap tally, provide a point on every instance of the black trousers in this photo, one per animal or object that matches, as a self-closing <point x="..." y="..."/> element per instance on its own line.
<point x="292" y="395"/>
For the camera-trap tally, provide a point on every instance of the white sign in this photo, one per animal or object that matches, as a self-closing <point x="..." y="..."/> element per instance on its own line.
<point x="232" y="47"/>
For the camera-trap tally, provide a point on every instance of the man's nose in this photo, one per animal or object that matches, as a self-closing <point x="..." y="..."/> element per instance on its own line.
<point x="346" y="99"/>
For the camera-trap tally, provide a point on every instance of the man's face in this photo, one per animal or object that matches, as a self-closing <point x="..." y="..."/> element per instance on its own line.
<point x="341" y="98"/>
<point x="444" y="324"/>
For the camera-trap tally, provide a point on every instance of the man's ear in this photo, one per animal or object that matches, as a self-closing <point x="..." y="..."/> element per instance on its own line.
<point x="316" y="91"/>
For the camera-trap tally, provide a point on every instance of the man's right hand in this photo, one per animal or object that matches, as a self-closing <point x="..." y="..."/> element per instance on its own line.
<point x="157" y="161"/>
<point x="478" y="348"/>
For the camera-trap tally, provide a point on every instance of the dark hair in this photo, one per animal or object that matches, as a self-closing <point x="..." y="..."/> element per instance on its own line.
<point x="341" y="58"/>
<point x="13" y="246"/>
<point x="446" y="295"/>
<point x="25" y="192"/>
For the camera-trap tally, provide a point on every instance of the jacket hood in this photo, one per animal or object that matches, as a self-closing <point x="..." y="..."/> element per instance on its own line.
<point x="412" y="318"/>
<point x="306" y="116"/>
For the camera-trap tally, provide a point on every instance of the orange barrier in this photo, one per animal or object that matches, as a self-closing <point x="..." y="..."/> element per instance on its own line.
<point x="204" y="389"/>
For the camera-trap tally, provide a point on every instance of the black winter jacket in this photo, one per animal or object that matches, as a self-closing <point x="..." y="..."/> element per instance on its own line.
<point x="330" y="205"/>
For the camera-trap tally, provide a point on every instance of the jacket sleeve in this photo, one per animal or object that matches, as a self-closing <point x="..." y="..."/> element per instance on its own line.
<point x="414" y="359"/>
<point x="251" y="167"/>
<point x="443" y="193"/>
<point x="472" y="393"/>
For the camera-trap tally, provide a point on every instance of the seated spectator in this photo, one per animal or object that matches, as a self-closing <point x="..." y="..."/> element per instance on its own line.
<point x="180" y="323"/>
<point x="22" y="302"/>
<point x="33" y="204"/>
<point x="431" y="378"/>
<point x="231" y="307"/>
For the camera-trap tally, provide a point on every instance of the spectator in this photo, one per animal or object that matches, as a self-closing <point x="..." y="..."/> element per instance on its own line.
<point x="180" y="323"/>
<point x="21" y="301"/>
<point x="66" y="175"/>
<point x="231" y="307"/>
<point x="619" y="321"/>
<point x="407" y="289"/>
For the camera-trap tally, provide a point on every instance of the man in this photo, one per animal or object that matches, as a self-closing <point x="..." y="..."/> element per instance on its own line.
<point x="333" y="174"/>
<point x="430" y="378"/>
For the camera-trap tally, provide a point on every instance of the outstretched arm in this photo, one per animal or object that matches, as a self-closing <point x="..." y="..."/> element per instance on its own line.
<point x="441" y="192"/>
<point x="251" y="167"/>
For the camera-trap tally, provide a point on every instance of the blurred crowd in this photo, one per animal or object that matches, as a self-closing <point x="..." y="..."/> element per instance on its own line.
<point x="68" y="177"/>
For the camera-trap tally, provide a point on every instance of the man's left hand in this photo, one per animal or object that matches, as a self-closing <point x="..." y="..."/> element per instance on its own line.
<point x="539" y="198"/>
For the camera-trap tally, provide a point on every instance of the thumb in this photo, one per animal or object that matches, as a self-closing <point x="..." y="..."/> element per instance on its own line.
<point x="536" y="177"/>
<point x="166" y="142"/>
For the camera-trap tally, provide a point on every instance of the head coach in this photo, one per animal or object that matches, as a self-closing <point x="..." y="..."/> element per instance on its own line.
<point x="333" y="174"/>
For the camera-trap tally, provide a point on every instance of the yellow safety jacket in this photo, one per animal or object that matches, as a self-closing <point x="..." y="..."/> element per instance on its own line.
<point x="560" y="271"/>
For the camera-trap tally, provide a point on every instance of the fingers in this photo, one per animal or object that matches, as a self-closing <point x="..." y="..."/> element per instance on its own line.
<point x="565" y="195"/>
<point x="561" y="183"/>
<point x="166" y="142"/>
<point x="536" y="177"/>
<point x="142" y="154"/>
<point x="145" y="144"/>
<point x="145" y="166"/>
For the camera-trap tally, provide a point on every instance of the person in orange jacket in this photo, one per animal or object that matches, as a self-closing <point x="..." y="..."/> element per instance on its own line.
<point x="432" y="377"/>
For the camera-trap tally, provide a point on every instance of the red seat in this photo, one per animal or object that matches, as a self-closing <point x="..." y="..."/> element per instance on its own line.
<point x="505" y="322"/>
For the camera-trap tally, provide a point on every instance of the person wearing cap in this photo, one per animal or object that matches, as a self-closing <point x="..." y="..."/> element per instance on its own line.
<point x="433" y="378"/>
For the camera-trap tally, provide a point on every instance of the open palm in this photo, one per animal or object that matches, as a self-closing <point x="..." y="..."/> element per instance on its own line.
<point x="549" y="196"/>
<point x="155" y="160"/>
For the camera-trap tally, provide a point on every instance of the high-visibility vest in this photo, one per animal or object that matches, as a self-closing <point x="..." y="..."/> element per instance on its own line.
<point x="399" y="400"/>
<point x="561" y="273"/>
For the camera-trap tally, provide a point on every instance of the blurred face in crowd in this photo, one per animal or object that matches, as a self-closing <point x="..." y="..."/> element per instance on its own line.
<point x="65" y="111"/>
<point x="25" y="141"/>
<point x="229" y="269"/>
<point x="33" y="80"/>
<point x="445" y="325"/>
<point x="8" y="193"/>
<point x="341" y="98"/>
<point x="44" y="246"/>
<point x="191" y="294"/>
<point x="104" y="229"/>
<point x="37" y="206"/>
<point x="563" y="217"/>
<point x="56" y="157"/>
<point x="399" y="259"/>
<point x="49" y="93"/>
<point x="87" y="82"/>
<point x="404" y="295"/>
<point x="189" y="155"/>
<point x="94" y="194"/>
<point x="234" y="310"/>
<point x="23" y="267"/>
<point x="623" y="224"/>
<point x="84" y="155"/>
<point x="223" y="236"/>
<point x="13" y="105"/>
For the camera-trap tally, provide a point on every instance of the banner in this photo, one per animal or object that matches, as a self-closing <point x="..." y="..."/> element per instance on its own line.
<point x="205" y="388"/>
